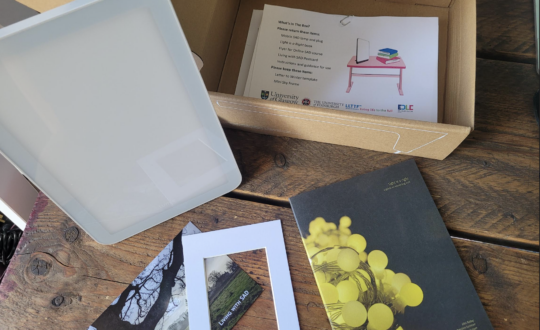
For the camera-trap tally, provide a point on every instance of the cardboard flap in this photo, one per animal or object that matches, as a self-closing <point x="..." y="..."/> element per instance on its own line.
<point x="384" y="134"/>
<point x="461" y="78"/>
<point x="435" y="3"/>
<point x="43" y="5"/>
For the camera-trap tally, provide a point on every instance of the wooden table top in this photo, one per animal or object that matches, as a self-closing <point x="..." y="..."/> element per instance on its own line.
<point x="487" y="192"/>
<point x="373" y="63"/>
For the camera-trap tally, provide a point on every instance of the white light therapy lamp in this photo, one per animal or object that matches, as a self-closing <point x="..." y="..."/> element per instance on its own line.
<point x="103" y="108"/>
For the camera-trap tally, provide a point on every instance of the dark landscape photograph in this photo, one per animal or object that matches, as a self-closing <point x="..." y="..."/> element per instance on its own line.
<point x="231" y="292"/>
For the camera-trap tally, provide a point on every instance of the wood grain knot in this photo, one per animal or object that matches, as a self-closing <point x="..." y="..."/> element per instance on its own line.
<point x="480" y="264"/>
<point x="312" y="305"/>
<point x="511" y="216"/>
<point x="57" y="301"/>
<point x="280" y="160"/>
<point x="71" y="234"/>
<point x="40" y="267"/>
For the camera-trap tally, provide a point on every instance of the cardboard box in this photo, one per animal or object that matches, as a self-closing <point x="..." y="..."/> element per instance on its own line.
<point x="217" y="31"/>
<point x="11" y="12"/>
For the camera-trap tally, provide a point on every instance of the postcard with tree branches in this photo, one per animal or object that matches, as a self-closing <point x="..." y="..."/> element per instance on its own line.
<point x="157" y="299"/>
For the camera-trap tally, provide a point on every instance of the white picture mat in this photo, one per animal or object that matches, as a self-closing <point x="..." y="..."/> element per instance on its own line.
<point x="268" y="236"/>
<point x="82" y="113"/>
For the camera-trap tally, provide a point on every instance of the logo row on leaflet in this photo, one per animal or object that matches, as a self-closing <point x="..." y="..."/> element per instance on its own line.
<point x="288" y="98"/>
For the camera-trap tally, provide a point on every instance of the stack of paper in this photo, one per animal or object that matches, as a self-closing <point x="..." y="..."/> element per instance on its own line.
<point x="337" y="62"/>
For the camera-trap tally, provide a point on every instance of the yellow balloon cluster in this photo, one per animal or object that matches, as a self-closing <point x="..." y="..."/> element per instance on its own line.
<point x="359" y="292"/>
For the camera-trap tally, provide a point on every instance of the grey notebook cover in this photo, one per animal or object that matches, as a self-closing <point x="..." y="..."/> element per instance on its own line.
<point x="394" y="212"/>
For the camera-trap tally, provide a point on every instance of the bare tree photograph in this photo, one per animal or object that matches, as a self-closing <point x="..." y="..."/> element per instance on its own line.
<point x="157" y="300"/>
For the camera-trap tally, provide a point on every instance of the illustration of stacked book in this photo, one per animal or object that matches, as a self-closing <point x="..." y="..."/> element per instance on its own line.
<point x="388" y="56"/>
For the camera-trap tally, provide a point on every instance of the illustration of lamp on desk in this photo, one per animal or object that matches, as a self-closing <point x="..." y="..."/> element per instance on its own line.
<point x="387" y="59"/>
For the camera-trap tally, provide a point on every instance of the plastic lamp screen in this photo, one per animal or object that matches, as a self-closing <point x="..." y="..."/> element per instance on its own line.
<point x="106" y="112"/>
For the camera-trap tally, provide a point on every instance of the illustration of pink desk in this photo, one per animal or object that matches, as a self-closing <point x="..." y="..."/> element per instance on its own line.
<point x="373" y="63"/>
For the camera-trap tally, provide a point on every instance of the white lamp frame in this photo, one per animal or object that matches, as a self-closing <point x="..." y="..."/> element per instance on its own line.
<point x="135" y="179"/>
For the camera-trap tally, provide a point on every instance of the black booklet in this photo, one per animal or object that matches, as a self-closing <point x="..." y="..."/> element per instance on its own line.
<point x="382" y="256"/>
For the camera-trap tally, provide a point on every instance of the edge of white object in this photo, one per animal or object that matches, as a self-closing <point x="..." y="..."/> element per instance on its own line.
<point x="17" y="196"/>
<point x="97" y="89"/>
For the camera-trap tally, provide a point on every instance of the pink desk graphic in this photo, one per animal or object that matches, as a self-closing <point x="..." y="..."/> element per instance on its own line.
<point x="372" y="63"/>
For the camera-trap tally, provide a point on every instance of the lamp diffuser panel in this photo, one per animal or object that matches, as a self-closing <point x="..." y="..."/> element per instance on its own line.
<point x="103" y="108"/>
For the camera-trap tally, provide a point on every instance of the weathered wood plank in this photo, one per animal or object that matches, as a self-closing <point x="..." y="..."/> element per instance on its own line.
<point x="496" y="272"/>
<point x="505" y="30"/>
<point x="504" y="98"/>
<point x="89" y="276"/>
<point x="488" y="187"/>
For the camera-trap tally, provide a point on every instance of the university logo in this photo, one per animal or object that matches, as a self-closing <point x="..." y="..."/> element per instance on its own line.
<point x="264" y="95"/>
<point x="352" y="106"/>
<point x="405" y="107"/>
<point x="306" y="101"/>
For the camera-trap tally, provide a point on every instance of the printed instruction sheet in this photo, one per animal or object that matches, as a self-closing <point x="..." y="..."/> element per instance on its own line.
<point x="375" y="65"/>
